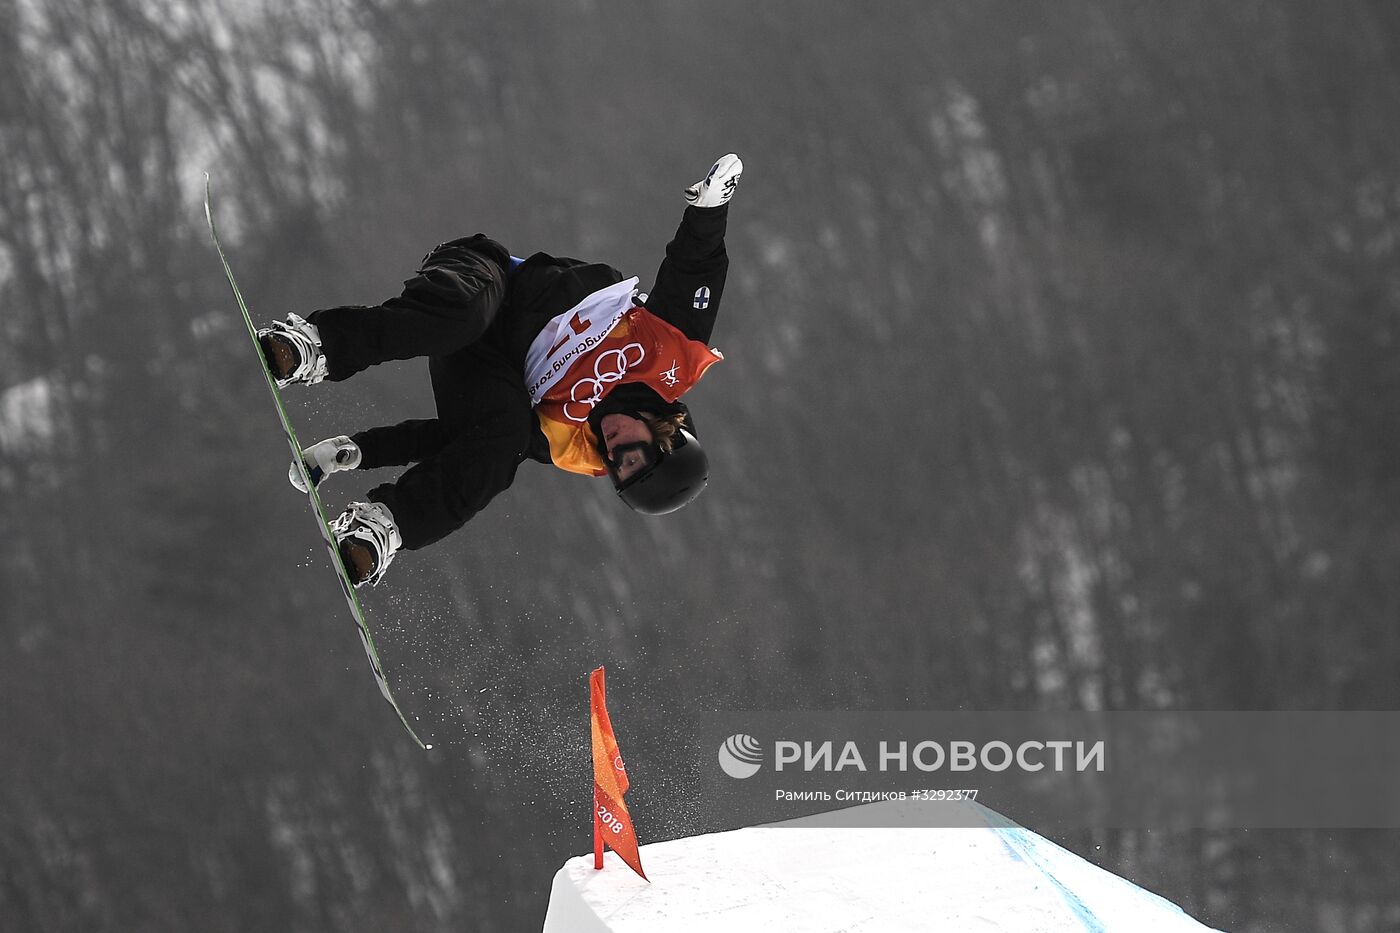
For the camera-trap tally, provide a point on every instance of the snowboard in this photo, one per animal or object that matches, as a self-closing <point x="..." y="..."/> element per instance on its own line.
<point x="318" y="509"/>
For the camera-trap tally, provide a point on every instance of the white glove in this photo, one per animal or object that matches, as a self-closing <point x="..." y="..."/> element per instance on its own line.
<point x="717" y="187"/>
<point x="324" y="458"/>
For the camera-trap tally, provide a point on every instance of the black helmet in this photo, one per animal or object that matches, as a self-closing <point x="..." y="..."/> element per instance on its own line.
<point x="670" y="481"/>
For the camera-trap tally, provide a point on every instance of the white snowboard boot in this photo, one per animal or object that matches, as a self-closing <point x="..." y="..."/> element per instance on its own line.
<point x="367" y="539"/>
<point x="293" y="351"/>
<point x="718" y="186"/>
<point x="324" y="458"/>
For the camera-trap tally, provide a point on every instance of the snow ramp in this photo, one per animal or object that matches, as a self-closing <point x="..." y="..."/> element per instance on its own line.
<point x="810" y="875"/>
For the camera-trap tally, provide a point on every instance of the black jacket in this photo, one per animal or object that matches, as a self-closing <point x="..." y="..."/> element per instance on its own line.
<point x="475" y="322"/>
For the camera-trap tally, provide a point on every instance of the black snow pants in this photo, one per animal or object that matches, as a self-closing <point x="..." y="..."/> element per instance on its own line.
<point x="469" y="453"/>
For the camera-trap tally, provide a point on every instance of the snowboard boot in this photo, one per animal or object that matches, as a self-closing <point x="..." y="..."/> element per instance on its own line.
<point x="324" y="458"/>
<point x="293" y="351"/>
<point x="367" y="539"/>
<point x="718" y="186"/>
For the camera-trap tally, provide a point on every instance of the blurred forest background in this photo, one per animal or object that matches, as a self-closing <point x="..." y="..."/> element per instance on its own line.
<point x="1061" y="372"/>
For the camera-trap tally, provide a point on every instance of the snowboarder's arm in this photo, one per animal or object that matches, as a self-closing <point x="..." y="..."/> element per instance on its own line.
<point x="400" y="444"/>
<point x="690" y="282"/>
<point x="444" y="491"/>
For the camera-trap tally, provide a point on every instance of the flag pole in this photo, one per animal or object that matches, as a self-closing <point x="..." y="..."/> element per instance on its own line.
<point x="597" y="835"/>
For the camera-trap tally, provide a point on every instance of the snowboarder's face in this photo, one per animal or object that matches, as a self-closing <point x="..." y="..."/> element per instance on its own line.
<point x="622" y="431"/>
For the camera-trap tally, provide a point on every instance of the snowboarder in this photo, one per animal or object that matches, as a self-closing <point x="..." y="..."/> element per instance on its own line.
<point x="545" y="358"/>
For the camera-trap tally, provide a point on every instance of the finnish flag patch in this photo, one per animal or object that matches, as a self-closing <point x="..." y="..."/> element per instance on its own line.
<point x="702" y="298"/>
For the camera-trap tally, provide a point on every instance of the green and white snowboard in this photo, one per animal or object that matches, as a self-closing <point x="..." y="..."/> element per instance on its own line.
<point x="356" y="610"/>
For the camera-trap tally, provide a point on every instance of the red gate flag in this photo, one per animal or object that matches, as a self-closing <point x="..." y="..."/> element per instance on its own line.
<point x="611" y="822"/>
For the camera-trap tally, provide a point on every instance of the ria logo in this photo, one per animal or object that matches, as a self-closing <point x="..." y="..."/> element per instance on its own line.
<point x="740" y="756"/>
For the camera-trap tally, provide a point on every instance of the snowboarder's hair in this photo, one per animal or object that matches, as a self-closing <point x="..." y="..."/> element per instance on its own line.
<point x="664" y="430"/>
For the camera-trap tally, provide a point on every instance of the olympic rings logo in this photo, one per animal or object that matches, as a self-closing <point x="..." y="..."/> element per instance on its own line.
<point x="609" y="367"/>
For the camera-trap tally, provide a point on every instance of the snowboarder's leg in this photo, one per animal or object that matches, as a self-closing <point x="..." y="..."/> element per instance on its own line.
<point x="447" y="305"/>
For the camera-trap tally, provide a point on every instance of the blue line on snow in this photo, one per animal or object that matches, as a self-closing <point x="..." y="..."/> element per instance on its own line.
<point x="1021" y="843"/>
